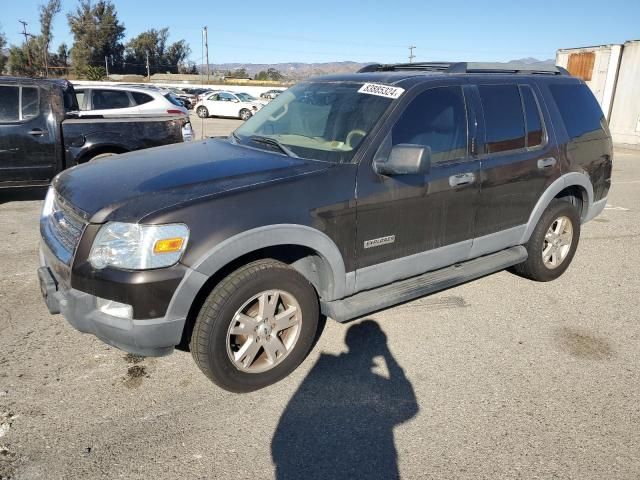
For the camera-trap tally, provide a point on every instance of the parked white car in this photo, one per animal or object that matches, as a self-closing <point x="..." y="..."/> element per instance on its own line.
<point x="227" y="104"/>
<point x="111" y="100"/>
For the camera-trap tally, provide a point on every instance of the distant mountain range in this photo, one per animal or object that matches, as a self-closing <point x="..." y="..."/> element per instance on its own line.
<point x="300" y="70"/>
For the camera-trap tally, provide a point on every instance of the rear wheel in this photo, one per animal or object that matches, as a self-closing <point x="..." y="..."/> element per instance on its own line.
<point x="256" y="326"/>
<point x="245" y="114"/>
<point x="202" y="112"/>
<point x="553" y="243"/>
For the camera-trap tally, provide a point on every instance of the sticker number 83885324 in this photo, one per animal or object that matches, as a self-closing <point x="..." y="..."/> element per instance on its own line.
<point x="381" y="90"/>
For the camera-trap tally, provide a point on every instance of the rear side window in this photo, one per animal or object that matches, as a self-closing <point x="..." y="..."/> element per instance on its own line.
<point x="579" y="109"/>
<point x="30" y="103"/>
<point x="173" y="100"/>
<point x="141" y="98"/>
<point x="436" y="118"/>
<point x="14" y="110"/>
<point x="532" y="117"/>
<point x="80" y="99"/>
<point x="503" y="117"/>
<point x="109" y="99"/>
<point x="9" y="103"/>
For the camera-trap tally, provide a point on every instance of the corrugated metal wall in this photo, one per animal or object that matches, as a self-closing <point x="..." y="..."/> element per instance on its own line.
<point x="613" y="74"/>
<point x="625" y="116"/>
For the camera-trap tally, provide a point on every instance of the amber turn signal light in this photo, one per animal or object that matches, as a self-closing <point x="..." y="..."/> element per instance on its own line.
<point x="168" y="245"/>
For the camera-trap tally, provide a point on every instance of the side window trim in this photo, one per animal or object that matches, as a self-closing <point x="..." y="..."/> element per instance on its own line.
<point x="545" y="135"/>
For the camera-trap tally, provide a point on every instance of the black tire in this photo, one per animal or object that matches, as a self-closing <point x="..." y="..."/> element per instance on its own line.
<point x="245" y="114"/>
<point x="534" y="268"/>
<point x="209" y="339"/>
<point x="202" y="112"/>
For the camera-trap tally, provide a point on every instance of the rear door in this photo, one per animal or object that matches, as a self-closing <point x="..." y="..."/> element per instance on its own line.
<point x="410" y="224"/>
<point x="519" y="160"/>
<point x="27" y="139"/>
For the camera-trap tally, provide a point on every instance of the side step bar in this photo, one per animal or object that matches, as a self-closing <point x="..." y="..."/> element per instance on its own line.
<point x="403" y="291"/>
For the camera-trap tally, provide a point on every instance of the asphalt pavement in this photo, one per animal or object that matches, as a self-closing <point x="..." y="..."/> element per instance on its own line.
<point x="498" y="378"/>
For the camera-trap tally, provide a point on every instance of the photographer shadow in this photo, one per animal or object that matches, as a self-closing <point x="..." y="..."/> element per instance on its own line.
<point x="339" y="423"/>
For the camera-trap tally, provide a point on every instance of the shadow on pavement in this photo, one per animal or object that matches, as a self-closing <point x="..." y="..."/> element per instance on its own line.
<point x="22" y="194"/>
<point x="339" y="423"/>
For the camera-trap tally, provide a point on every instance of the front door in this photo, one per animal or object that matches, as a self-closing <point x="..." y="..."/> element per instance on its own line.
<point x="27" y="140"/>
<point x="411" y="224"/>
<point x="223" y="104"/>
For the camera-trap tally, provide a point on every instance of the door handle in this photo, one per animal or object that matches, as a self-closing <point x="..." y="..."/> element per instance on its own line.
<point x="38" y="132"/>
<point x="546" y="163"/>
<point x="461" y="179"/>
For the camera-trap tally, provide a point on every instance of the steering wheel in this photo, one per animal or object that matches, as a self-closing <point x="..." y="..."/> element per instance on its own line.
<point x="352" y="134"/>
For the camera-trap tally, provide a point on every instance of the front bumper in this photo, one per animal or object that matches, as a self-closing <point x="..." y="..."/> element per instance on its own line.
<point x="150" y="337"/>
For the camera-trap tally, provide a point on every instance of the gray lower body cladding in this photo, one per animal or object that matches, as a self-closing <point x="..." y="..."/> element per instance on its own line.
<point x="402" y="291"/>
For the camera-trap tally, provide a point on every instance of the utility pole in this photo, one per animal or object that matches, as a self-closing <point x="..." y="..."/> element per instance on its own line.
<point x="411" y="55"/>
<point x="202" y="60"/>
<point x="206" y="49"/>
<point x="148" y="73"/>
<point x="106" y="65"/>
<point x="26" y="39"/>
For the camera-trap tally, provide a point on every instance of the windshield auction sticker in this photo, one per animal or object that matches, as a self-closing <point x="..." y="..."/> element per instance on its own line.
<point x="381" y="90"/>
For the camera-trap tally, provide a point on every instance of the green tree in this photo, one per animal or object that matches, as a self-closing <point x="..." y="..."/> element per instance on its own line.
<point x="97" y="34"/>
<point x="23" y="59"/>
<point x="162" y="56"/>
<point x="271" y="74"/>
<point x="3" y="58"/>
<point x="237" y="73"/>
<point x="47" y="14"/>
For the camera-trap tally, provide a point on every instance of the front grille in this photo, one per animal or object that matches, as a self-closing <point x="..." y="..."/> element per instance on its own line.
<point x="62" y="229"/>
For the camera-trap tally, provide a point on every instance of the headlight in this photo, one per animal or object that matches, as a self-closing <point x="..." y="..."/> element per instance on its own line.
<point x="133" y="246"/>
<point x="47" y="205"/>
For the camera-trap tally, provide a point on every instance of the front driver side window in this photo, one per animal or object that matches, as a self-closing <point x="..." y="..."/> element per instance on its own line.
<point x="435" y="118"/>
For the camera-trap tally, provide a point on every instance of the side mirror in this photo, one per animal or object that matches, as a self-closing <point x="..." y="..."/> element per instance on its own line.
<point x="405" y="159"/>
<point x="235" y="100"/>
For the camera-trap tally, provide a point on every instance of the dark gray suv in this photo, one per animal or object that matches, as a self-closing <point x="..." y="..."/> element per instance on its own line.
<point x="345" y="195"/>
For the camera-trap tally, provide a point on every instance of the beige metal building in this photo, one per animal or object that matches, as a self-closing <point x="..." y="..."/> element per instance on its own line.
<point x="613" y="74"/>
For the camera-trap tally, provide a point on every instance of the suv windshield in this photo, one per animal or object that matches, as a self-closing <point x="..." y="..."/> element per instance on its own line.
<point x="317" y="120"/>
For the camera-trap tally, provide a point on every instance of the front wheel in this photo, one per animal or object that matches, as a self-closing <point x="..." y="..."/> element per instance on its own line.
<point x="202" y="112"/>
<point x="256" y="326"/>
<point x="553" y="243"/>
<point x="245" y="114"/>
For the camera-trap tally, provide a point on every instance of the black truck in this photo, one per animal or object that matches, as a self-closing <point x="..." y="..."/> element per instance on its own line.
<point x="41" y="133"/>
<point x="345" y="195"/>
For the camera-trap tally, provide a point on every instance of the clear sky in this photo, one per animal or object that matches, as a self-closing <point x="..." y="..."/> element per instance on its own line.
<point x="336" y="30"/>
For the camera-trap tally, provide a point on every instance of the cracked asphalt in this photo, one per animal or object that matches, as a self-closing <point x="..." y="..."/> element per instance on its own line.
<point x="498" y="378"/>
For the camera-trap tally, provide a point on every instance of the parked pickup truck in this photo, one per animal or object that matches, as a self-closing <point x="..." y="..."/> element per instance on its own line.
<point x="343" y="196"/>
<point x="41" y="133"/>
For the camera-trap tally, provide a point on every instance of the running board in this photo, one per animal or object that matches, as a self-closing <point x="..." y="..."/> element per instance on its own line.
<point x="403" y="291"/>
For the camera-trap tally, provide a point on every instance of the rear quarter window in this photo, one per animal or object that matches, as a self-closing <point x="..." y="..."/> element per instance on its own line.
<point x="579" y="109"/>
<point x="141" y="98"/>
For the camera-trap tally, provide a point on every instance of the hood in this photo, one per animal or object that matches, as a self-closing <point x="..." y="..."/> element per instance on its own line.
<point x="130" y="186"/>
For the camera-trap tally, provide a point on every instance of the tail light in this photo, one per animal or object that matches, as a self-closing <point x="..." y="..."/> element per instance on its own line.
<point x="175" y="112"/>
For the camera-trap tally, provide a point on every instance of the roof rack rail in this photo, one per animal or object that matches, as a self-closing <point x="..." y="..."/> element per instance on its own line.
<point x="467" y="67"/>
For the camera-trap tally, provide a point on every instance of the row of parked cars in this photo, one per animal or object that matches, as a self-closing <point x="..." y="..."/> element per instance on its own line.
<point x="132" y="99"/>
<point x="47" y="126"/>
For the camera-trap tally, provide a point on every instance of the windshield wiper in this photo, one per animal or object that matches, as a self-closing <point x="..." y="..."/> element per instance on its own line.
<point x="273" y="142"/>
